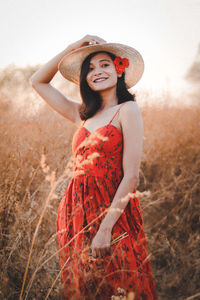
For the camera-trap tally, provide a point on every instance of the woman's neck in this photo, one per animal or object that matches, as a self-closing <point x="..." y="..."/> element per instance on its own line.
<point x="109" y="98"/>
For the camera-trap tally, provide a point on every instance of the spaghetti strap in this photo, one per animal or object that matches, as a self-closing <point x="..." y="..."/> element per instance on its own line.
<point x="117" y="112"/>
<point x="112" y="117"/>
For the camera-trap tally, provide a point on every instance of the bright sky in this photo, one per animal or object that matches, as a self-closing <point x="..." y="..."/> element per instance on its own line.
<point x="165" y="32"/>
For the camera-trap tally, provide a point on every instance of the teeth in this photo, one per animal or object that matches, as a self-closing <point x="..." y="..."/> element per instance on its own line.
<point x="100" y="79"/>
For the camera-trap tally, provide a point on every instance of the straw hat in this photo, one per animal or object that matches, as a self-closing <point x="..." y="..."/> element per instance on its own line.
<point x="70" y="65"/>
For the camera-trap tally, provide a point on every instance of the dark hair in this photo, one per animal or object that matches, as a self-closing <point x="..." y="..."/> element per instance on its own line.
<point x="91" y="100"/>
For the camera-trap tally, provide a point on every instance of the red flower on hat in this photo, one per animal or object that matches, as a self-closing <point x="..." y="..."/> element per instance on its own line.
<point x="121" y="64"/>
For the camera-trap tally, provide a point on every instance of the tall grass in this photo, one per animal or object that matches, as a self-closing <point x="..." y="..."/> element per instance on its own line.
<point x="35" y="163"/>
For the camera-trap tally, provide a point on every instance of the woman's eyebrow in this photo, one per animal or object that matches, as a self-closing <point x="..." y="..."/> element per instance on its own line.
<point x="104" y="60"/>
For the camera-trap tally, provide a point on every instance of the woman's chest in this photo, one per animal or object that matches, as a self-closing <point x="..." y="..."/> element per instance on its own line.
<point x="107" y="139"/>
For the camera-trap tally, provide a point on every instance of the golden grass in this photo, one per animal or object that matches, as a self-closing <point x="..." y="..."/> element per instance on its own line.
<point x="35" y="163"/>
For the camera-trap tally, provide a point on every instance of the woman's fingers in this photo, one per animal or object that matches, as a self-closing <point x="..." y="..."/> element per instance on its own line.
<point x="94" y="254"/>
<point x="92" y="39"/>
<point x="108" y="251"/>
<point x="101" y="252"/>
<point x="85" y="41"/>
<point x="98" y="252"/>
<point x="99" y="40"/>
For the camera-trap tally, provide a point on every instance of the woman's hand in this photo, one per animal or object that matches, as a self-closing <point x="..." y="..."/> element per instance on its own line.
<point x="85" y="41"/>
<point x="101" y="243"/>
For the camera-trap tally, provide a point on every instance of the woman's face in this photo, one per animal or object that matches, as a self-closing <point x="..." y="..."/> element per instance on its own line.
<point x="102" y="74"/>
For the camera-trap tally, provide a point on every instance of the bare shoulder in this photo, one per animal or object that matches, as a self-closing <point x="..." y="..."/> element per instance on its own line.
<point x="131" y="120"/>
<point x="129" y="110"/>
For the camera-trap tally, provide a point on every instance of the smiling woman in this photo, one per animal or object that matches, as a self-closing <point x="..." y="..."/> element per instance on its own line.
<point x="98" y="73"/>
<point x="101" y="69"/>
<point x="100" y="229"/>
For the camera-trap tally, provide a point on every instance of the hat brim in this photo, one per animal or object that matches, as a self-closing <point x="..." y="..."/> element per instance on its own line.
<point x="70" y="65"/>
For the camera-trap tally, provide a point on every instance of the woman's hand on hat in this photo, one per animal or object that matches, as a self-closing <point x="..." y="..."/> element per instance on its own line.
<point x="87" y="40"/>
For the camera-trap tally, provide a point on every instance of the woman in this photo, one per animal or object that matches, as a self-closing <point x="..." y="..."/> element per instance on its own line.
<point x="102" y="244"/>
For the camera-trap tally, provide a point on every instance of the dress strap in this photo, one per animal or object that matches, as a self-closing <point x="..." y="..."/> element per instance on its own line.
<point x="114" y="114"/>
<point x="117" y="112"/>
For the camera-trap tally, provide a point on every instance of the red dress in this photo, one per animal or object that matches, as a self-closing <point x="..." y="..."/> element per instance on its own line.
<point x="96" y="176"/>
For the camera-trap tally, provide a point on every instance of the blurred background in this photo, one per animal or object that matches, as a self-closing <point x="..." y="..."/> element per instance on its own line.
<point x="165" y="32"/>
<point x="35" y="149"/>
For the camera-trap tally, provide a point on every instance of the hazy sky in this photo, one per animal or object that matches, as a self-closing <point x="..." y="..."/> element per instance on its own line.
<point x="165" y="32"/>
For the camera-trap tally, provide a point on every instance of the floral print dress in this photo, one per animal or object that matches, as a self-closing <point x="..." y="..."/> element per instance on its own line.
<point x="97" y="173"/>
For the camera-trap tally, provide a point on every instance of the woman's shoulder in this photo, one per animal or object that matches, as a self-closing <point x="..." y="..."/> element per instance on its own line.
<point x="129" y="108"/>
<point x="131" y="118"/>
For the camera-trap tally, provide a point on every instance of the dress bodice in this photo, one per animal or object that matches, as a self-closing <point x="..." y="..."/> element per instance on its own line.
<point x="100" y="150"/>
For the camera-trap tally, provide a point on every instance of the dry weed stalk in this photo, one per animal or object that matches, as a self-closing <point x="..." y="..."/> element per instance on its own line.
<point x="52" y="195"/>
<point x="169" y="192"/>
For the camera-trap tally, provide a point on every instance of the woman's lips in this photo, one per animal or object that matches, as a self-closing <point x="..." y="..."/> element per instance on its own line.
<point x="100" y="79"/>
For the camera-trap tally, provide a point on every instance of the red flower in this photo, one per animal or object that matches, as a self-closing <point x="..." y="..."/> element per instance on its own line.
<point x="121" y="64"/>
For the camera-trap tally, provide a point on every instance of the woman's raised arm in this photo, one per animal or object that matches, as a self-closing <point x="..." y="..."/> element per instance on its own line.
<point x="40" y="81"/>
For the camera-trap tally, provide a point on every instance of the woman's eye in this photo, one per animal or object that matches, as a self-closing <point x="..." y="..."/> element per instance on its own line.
<point x="105" y="65"/>
<point x="90" y="69"/>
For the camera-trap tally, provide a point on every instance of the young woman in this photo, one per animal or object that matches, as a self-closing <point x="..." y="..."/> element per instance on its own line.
<point x="102" y="244"/>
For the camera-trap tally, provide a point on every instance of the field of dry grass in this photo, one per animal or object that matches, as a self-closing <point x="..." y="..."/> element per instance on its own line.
<point x="35" y="163"/>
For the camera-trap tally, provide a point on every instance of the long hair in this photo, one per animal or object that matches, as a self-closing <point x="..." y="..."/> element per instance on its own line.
<point x="91" y="100"/>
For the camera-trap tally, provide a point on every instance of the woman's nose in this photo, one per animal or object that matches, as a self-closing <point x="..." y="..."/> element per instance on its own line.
<point x="97" y="72"/>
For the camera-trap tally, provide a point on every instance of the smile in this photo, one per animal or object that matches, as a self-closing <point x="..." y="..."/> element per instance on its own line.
<point x="100" y="79"/>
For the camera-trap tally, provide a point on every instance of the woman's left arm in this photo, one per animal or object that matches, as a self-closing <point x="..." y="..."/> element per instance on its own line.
<point x="133" y="131"/>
